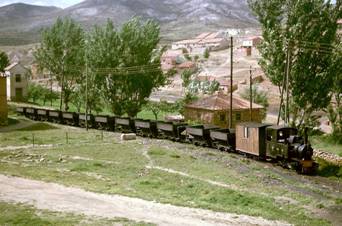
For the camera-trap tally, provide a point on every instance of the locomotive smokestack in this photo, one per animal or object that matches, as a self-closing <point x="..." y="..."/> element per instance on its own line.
<point x="306" y="139"/>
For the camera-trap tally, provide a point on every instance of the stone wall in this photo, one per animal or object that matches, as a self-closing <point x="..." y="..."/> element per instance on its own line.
<point x="329" y="157"/>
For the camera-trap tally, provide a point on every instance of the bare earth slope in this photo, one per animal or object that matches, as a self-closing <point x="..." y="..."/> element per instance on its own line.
<point x="178" y="18"/>
<point x="59" y="198"/>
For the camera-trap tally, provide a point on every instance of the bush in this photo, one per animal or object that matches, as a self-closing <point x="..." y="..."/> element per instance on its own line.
<point x="33" y="92"/>
<point x="187" y="56"/>
<point x="206" y="54"/>
<point x="258" y="96"/>
<point x="37" y="92"/>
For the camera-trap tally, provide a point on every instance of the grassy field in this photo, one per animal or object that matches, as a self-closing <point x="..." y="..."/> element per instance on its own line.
<point x="327" y="144"/>
<point x="20" y="214"/>
<point x="169" y="172"/>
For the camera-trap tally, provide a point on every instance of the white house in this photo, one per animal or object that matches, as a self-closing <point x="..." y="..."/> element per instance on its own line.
<point x="17" y="82"/>
<point x="252" y="41"/>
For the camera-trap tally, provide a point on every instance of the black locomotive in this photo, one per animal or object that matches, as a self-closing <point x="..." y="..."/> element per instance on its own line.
<point x="264" y="141"/>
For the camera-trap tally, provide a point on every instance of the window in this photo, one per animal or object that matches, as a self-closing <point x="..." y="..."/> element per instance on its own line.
<point x="222" y="117"/>
<point x="18" y="77"/>
<point x="246" y="132"/>
<point x="238" y="116"/>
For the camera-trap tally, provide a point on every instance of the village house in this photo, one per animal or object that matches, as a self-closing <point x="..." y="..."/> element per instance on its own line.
<point x="224" y="82"/>
<point x="210" y="41"/>
<point x="215" y="109"/>
<point x="170" y="58"/>
<point x="17" y="82"/>
<point x="187" y="65"/>
<point x="3" y="100"/>
<point x="250" y="43"/>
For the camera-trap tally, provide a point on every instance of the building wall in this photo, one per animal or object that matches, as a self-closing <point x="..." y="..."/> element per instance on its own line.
<point x="13" y="85"/>
<point x="3" y="102"/>
<point x="221" y="118"/>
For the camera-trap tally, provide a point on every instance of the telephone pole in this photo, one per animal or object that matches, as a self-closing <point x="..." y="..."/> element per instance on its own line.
<point x="288" y="66"/>
<point x="86" y="111"/>
<point x="231" y="83"/>
<point x="250" y="94"/>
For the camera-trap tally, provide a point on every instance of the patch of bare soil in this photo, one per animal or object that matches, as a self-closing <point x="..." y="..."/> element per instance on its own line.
<point x="59" y="198"/>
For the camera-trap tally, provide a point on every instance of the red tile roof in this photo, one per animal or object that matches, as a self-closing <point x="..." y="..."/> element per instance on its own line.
<point x="203" y="35"/>
<point x="221" y="101"/>
<point x="187" y="64"/>
<point x="172" y="53"/>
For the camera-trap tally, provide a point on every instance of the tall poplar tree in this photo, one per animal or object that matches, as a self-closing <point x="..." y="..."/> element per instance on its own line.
<point x="61" y="52"/>
<point x="125" y="65"/>
<point x="4" y="61"/>
<point x="306" y="30"/>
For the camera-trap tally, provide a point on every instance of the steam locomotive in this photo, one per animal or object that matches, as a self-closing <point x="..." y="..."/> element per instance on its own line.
<point x="257" y="140"/>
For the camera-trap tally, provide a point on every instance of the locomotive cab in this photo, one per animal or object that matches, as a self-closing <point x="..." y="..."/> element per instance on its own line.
<point x="284" y="144"/>
<point x="281" y="134"/>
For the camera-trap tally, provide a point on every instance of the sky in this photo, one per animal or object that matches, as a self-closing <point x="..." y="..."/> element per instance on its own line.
<point x="58" y="3"/>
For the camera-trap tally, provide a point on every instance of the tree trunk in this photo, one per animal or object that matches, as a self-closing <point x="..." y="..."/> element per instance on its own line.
<point x="61" y="95"/>
<point x="155" y="115"/>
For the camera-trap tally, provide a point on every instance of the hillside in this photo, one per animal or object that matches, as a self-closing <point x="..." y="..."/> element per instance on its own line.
<point x="178" y="18"/>
<point x="20" y="11"/>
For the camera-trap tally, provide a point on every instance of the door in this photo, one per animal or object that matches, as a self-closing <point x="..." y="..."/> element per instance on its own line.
<point x="19" y="94"/>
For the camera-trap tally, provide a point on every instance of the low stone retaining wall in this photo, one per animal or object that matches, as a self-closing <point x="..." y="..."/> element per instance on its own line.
<point x="329" y="157"/>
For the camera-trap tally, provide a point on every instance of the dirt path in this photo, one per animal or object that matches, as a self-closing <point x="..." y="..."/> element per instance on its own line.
<point x="59" y="198"/>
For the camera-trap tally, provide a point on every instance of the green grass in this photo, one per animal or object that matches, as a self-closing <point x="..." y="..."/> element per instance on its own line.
<point x="20" y="214"/>
<point x="329" y="170"/>
<point x="40" y="126"/>
<point x="45" y="133"/>
<point x="12" y="121"/>
<point x="119" y="168"/>
<point x="325" y="143"/>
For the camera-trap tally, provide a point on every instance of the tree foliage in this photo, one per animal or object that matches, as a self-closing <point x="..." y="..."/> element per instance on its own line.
<point x="305" y="29"/>
<point x="4" y="61"/>
<point x="158" y="107"/>
<point x="62" y="53"/>
<point x="258" y="97"/>
<point x="186" y="77"/>
<point x="180" y="104"/>
<point x="335" y="108"/>
<point x="129" y="51"/>
<point x="37" y="92"/>
<point x="206" y="53"/>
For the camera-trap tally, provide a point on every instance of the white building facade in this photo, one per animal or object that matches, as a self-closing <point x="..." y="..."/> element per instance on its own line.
<point x="17" y="82"/>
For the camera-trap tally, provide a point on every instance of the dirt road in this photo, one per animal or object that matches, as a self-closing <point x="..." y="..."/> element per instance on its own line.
<point x="55" y="197"/>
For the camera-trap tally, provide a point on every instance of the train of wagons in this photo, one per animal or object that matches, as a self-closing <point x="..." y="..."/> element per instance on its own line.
<point x="262" y="141"/>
